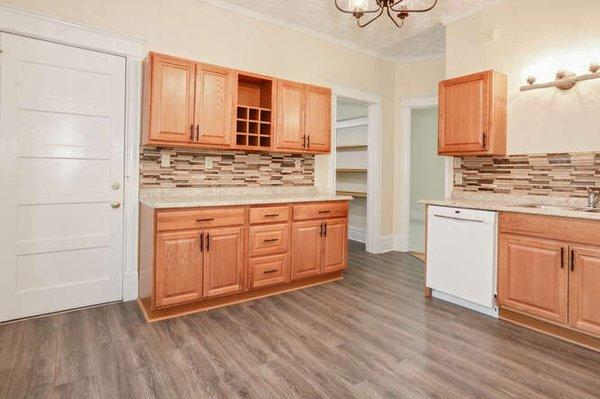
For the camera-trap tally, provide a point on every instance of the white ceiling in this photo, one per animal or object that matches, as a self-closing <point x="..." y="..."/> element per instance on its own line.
<point x="421" y="37"/>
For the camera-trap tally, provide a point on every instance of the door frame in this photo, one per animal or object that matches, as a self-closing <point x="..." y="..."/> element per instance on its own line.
<point x="17" y="21"/>
<point x="403" y="149"/>
<point x="374" y="240"/>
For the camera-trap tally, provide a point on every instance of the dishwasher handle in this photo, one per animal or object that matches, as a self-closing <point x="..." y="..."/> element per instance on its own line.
<point x="458" y="218"/>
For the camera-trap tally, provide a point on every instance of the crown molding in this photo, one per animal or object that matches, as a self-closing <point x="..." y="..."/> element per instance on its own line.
<point x="298" y="28"/>
<point x="471" y="11"/>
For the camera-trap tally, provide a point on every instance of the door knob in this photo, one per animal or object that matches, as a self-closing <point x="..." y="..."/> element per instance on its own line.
<point x="116" y="185"/>
<point x="115" y="205"/>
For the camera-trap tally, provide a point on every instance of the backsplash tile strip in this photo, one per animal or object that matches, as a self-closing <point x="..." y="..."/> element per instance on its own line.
<point x="229" y="169"/>
<point x="558" y="175"/>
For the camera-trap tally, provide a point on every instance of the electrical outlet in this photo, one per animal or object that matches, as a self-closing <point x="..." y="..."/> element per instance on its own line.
<point x="208" y="162"/>
<point x="458" y="178"/>
<point x="165" y="159"/>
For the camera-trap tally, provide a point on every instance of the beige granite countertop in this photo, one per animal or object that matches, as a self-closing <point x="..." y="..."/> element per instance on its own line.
<point x="187" y="198"/>
<point x="563" y="207"/>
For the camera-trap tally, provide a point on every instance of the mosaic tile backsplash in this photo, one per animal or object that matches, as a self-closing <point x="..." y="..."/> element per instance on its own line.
<point x="559" y="175"/>
<point x="188" y="168"/>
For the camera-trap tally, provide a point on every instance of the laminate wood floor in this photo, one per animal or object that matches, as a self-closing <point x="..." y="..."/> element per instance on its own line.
<point x="371" y="335"/>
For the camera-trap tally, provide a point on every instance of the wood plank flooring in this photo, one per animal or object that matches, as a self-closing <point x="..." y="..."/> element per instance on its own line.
<point x="370" y="335"/>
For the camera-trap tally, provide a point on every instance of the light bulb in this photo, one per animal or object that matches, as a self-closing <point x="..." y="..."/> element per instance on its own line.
<point x="358" y="5"/>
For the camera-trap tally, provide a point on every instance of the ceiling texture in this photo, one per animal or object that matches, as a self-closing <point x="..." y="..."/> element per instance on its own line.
<point x="422" y="36"/>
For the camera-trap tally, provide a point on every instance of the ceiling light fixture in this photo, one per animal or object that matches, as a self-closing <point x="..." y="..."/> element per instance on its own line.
<point x="401" y="9"/>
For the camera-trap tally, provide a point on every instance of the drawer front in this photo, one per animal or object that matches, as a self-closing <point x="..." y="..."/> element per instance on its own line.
<point x="199" y="218"/>
<point x="320" y="210"/>
<point x="268" y="239"/>
<point x="268" y="270"/>
<point x="269" y="214"/>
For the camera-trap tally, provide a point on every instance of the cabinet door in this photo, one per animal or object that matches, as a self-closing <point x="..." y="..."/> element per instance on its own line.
<point x="318" y="119"/>
<point x="306" y="249"/>
<point x="214" y="87"/>
<point x="464" y="114"/>
<point x="584" y="289"/>
<point x="533" y="277"/>
<point x="172" y="100"/>
<point x="178" y="268"/>
<point x="335" y="245"/>
<point x="223" y="261"/>
<point x="290" y="130"/>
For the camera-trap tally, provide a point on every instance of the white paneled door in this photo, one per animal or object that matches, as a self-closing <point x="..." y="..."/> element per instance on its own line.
<point x="61" y="177"/>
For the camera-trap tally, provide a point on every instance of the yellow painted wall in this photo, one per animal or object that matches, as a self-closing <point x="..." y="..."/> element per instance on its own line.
<point x="536" y="36"/>
<point x="193" y="29"/>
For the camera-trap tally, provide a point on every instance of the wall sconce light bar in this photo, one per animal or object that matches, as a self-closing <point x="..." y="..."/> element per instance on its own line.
<point x="565" y="80"/>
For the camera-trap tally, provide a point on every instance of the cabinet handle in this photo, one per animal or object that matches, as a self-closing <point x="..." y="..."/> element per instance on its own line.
<point x="201" y="242"/>
<point x="192" y="132"/>
<point x="271" y="215"/>
<point x="207" y="242"/>
<point x="562" y="257"/>
<point x="324" y="212"/>
<point x="308" y="141"/>
<point x="304" y="141"/>
<point x="271" y="240"/>
<point x="325" y="229"/>
<point x="321" y="230"/>
<point x="205" y="220"/>
<point x="484" y="139"/>
<point x="269" y="271"/>
<point x="572" y="260"/>
<point x="197" y="132"/>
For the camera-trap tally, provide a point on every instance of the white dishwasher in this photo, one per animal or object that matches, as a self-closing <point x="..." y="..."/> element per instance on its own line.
<point x="461" y="257"/>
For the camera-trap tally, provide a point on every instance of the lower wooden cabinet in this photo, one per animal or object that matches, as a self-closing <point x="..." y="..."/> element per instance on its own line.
<point x="198" y="258"/>
<point x="319" y="246"/>
<point x="584" y="289"/>
<point x="549" y="269"/>
<point x="533" y="277"/>
<point x="179" y="273"/>
<point x="223" y="261"/>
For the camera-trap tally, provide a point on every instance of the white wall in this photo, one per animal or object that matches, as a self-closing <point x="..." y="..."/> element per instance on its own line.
<point x="536" y="37"/>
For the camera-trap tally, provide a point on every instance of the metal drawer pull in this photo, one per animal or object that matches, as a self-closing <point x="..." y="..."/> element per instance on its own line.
<point x="572" y="260"/>
<point x="325" y="229"/>
<point x="269" y="271"/>
<point x="271" y="215"/>
<point x="205" y="220"/>
<point x="207" y="242"/>
<point x="324" y="211"/>
<point x="272" y="240"/>
<point x="197" y="132"/>
<point x="202" y="242"/>
<point x="459" y="219"/>
<point x="192" y="131"/>
<point x="562" y="257"/>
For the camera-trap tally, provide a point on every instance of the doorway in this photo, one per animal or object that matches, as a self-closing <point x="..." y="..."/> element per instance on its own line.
<point x="62" y="128"/>
<point x="427" y="172"/>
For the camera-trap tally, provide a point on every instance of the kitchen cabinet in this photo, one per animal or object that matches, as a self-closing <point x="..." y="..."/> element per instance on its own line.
<point x="549" y="270"/>
<point x="168" y="100"/>
<point x="198" y="258"/>
<point x="223" y="261"/>
<point x="584" y="289"/>
<point x="533" y="277"/>
<point x="192" y="104"/>
<point x="179" y="277"/>
<point x="304" y="118"/>
<point x="186" y="103"/>
<point x="472" y="114"/>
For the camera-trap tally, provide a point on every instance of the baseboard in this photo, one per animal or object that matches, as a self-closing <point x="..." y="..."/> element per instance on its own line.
<point x="493" y="312"/>
<point x="359" y="235"/>
<point x="384" y="244"/>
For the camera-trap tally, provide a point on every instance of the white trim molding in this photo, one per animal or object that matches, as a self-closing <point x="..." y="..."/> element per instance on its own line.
<point x="358" y="235"/>
<point x="40" y="26"/>
<point x="403" y="166"/>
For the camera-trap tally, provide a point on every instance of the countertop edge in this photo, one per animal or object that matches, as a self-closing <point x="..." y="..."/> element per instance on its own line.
<point x="166" y="203"/>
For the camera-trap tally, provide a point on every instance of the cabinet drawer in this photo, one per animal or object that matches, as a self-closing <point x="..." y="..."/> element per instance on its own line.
<point x="268" y="239"/>
<point x="268" y="270"/>
<point x="320" y="210"/>
<point x="269" y="214"/>
<point x="199" y="218"/>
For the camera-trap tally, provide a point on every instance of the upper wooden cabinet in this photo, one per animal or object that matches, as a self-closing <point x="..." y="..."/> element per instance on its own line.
<point x="191" y="104"/>
<point x="303" y="118"/>
<point x="186" y="103"/>
<point x="472" y="115"/>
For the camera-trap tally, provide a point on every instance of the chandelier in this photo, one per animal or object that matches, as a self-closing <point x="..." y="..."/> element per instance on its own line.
<point x="359" y="8"/>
